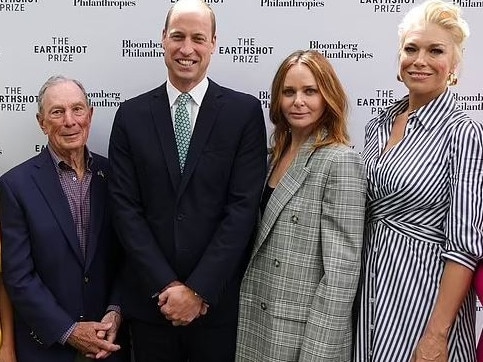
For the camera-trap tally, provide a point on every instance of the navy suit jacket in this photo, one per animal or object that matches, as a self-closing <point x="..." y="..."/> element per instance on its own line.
<point x="193" y="227"/>
<point x="47" y="278"/>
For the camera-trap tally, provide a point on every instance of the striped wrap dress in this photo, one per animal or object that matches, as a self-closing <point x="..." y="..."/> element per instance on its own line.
<point x="425" y="206"/>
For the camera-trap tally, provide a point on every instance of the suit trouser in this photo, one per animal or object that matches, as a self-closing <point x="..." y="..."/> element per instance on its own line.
<point x="196" y="343"/>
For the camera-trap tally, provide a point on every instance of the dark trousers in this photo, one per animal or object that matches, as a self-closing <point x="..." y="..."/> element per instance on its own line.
<point x="195" y="343"/>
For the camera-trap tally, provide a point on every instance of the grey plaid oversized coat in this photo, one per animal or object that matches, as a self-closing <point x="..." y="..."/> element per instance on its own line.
<point x="297" y="293"/>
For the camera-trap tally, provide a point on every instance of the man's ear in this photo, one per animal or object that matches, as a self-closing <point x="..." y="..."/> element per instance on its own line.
<point x="40" y="120"/>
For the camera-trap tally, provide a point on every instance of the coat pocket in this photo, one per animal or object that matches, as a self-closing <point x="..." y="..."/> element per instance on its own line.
<point x="288" y="310"/>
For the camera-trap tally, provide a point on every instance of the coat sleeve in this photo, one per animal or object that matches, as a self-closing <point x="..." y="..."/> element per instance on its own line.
<point x="33" y="300"/>
<point x="328" y="333"/>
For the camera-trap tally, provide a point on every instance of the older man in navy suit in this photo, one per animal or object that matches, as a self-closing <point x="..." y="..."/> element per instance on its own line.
<point x="60" y="257"/>
<point x="188" y="165"/>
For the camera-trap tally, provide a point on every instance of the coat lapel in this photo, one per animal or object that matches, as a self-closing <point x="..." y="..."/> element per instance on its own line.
<point x="286" y="188"/>
<point x="161" y="113"/>
<point x="98" y="194"/>
<point x="47" y="180"/>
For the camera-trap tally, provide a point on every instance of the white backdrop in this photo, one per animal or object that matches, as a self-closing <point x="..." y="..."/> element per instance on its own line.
<point x="113" y="47"/>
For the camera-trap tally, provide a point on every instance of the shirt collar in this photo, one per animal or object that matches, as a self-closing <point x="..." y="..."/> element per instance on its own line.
<point x="60" y="164"/>
<point x="429" y="115"/>
<point x="197" y="93"/>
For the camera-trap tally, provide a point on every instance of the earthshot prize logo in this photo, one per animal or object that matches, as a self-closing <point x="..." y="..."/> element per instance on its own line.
<point x="15" y="5"/>
<point x="60" y="50"/>
<point x="246" y="50"/>
<point x="383" y="99"/>
<point x="13" y="100"/>
<point x="387" y="6"/>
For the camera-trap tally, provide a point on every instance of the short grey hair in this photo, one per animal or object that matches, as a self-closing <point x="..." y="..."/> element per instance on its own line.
<point x="57" y="79"/>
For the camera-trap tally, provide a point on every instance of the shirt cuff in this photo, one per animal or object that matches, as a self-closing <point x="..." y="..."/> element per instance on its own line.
<point x="67" y="334"/>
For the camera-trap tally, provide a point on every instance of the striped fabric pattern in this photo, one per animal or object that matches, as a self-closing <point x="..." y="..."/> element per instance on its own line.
<point x="425" y="206"/>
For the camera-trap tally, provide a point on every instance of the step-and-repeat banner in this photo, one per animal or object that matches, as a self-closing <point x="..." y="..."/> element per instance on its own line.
<point x="113" y="47"/>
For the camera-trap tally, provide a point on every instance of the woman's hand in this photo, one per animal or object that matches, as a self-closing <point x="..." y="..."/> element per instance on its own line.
<point x="431" y="347"/>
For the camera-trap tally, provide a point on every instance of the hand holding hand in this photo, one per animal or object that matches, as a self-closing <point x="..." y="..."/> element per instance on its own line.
<point x="114" y="318"/>
<point x="181" y="305"/>
<point x="84" y="338"/>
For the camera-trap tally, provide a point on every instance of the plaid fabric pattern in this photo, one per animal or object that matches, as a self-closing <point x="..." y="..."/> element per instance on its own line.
<point x="297" y="293"/>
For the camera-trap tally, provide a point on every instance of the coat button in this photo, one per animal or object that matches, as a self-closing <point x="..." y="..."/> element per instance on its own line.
<point x="276" y="263"/>
<point x="295" y="219"/>
<point x="263" y="306"/>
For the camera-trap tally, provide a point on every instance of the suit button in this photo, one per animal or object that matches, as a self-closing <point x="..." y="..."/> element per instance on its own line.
<point x="263" y="306"/>
<point x="276" y="263"/>
<point x="295" y="219"/>
<point x="180" y="217"/>
<point x="86" y="279"/>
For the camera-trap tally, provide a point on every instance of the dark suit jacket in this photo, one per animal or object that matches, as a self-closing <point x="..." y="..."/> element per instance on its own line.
<point x="193" y="227"/>
<point x="50" y="284"/>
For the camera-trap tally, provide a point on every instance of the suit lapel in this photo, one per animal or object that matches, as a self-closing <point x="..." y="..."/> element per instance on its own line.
<point x="207" y="116"/>
<point x="161" y="113"/>
<point x="286" y="188"/>
<point x="97" y="210"/>
<point x="47" y="180"/>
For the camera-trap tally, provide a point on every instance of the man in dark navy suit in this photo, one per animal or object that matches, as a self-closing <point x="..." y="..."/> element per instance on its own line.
<point x="60" y="255"/>
<point x="188" y="164"/>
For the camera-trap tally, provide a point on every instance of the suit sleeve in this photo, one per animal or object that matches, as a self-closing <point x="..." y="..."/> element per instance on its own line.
<point x="227" y="250"/>
<point x="328" y="334"/>
<point x="33" y="300"/>
<point x="128" y="213"/>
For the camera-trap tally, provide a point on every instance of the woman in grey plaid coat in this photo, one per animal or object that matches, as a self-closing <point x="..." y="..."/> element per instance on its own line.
<point x="297" y="293"/>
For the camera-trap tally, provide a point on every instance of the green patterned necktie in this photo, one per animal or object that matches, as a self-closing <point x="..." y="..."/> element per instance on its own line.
<point x="182" y="128"/>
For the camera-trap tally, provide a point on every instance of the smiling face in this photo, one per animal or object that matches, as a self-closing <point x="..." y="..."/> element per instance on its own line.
<point x="302" y="103"/>
<point x="65" y="117"/>
<point x="427" y="58"/>
<point x="188" y="43"/>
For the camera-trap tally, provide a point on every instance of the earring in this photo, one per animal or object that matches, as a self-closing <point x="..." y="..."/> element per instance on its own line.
<point x="452" y="79"/>
<point x="398" y="77"/>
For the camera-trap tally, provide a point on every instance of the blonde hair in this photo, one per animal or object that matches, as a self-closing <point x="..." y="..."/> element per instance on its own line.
<point x="441" y="13"/>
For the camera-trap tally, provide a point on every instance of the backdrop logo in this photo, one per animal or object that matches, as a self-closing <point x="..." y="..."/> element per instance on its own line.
<point x="469" y="102"/>
<point x="468" y="3"/>
<point x="264" y="97"/>
<point x="15" y="5"/>
<point x="13" y="100"/>
<point x="120" y="4"/>
<point x="306" y="4"/>
<point x="206" y="1"/>
<point x="383" y="99"/>
<point x="104" y="99"/>
<point x="246" y="50"/>
<point x="387" y="6"/>
<point x="340" y="50"/>
<point x="141" y="49"/>
<point x="60" y="50"/>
